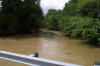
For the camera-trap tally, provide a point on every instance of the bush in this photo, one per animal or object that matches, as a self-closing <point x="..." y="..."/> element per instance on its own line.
<point x="99" y="41"/>
<point x="53" y="23"/>
<point x="63" y="24"/>
<point x="51" y="19"/>
<point x="76" y="33"/>
<point x="90" y="35"/>
<point x="82" y="27"/>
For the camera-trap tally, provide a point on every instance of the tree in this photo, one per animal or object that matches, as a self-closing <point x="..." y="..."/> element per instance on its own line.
<point x="30" y="16"/>
<point x="20" y="16"/>
<point x="10" y="6"/>
<point x="89" y="8"/>
<point x="52" y="18"/>
<point x="70" y="8"/>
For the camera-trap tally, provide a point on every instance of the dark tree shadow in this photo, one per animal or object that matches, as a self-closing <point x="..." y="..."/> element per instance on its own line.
<point x="33" y="35"/>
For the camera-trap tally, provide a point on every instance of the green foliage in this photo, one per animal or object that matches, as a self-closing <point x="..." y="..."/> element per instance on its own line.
<point x="18" y="16"/>
<point x="10" y="6"/>
<point x="89" y="8"/>
<point x="52" y="23"/>
<point x="90" y="36"/>
<point x="82" y="27"/>
<point x="99" y="41"/>
<point x="63" y="23"/>
<point x="52" y="19"/>
<point x="70" y="8"/>
<point x="8" y="25"/>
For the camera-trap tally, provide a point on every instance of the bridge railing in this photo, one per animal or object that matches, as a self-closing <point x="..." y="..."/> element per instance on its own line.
<point x="31" y="61"/>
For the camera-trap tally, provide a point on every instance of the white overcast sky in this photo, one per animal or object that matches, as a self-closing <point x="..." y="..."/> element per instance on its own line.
<point x="52" y="4"/>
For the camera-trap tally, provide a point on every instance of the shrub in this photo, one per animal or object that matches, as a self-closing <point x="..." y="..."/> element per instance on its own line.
<point x="90" y="35"/>
<point x="53" y="23"/>
<point x="99" y="41"/>
<point x="82" y="27"/>
<point x="63" y="24"/>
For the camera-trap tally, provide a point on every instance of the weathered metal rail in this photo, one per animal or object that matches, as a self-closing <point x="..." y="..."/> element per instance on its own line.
<point x="31" y="61"/>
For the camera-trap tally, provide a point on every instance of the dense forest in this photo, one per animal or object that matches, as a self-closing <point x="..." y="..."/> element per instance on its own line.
<point x="20" y="16"/>
<point x="78" y="19"/>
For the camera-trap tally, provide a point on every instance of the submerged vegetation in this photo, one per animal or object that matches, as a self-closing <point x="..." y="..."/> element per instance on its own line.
<point x="78" y="19"/>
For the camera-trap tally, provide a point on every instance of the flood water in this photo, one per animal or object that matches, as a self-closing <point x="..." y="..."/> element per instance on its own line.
<point x="50" y="45"/>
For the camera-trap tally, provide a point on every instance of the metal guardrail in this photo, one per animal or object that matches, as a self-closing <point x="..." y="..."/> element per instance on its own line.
<point x="97" y="64"/>
<point x="29" y="60"/>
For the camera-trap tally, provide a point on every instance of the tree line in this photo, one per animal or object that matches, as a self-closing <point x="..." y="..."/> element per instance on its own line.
<point x="20" y="16"/>
<point x="78" y="19"/>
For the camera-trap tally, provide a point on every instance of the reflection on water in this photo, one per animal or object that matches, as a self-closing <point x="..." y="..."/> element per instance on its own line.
<point x="50" y="45"/>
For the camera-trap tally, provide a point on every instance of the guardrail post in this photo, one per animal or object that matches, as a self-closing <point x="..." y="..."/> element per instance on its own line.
<point x="34" y="55"/>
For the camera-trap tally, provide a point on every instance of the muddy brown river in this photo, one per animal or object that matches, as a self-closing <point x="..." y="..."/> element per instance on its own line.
<point x="50" y="45"/>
